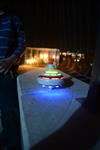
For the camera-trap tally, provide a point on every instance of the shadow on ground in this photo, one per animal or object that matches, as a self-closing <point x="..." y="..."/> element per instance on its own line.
<point x="80" y="132"/>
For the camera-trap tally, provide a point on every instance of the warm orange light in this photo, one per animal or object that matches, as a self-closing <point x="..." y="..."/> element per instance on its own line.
<point x="30" y="61"/>
<point x="40" y="56"/>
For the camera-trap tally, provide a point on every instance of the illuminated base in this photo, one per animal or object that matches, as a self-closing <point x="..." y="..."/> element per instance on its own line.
<point x="51" y="86"/>
<point x="50" y="82"/>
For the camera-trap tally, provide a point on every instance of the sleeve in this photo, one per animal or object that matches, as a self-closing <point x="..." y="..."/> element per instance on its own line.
<point x="20" y="38"/>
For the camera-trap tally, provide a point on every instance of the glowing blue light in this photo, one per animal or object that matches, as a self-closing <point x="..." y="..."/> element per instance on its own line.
<point x="57" y="86"/>
<point x="49" y="96"/>
<point x="43" y="86"/>
<point x="55" y="92"/>
<point x="55" y="96"/>
<point x="50" y="87"/>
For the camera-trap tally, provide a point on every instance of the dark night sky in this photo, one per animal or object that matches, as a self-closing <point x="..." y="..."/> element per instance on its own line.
<point x="66" y="24"/>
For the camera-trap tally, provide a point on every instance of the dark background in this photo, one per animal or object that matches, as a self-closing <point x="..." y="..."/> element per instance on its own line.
<point x="64" y="24"/>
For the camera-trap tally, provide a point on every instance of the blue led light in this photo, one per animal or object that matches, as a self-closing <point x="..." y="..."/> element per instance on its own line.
<point x="57" y="86"/>
<point x="50" y="87"/>
<point x="43" y="86"/>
